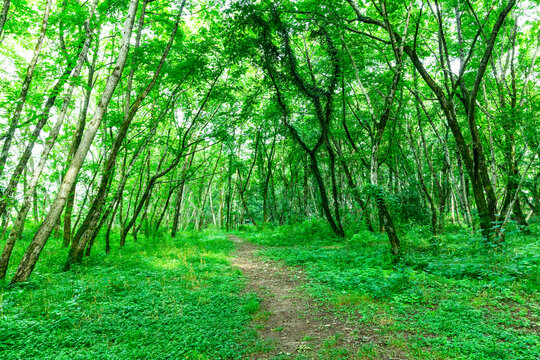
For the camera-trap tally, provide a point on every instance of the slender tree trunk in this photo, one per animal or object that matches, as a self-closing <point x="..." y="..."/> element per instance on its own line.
<point x="433" y="208"/>
<point x="380" y="127"/>
<point x="75" y="144"/>
<point x="355" y="191"/>
<point x="144" y="218"/>
<point x="201" y="217"/>
<point x="43" y="118"/>
<point x="335" y="195"/>
<point x="483" y="191"/>
<point x="269" y="165"/>
<point x="228" y="195"/>
<point x="3" y="17"/>
<point x="177" y="208"/>
<point x="180" y="193"/>
<point x="95" y="209"/>
<point x="76" y="250"/>
<point x="15" y="116"/>
<point x="30" y="192"/>
<point x="108" y="233"/>
<point x="31" y="255"/>
<point x="166" y="206"/>
<point x="338" y="230"/>
<point x="145" y="197"/>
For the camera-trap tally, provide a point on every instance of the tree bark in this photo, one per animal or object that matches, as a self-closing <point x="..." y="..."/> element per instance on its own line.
<point x="14" y="121"/>
<point x="75" y="145"/>
<point x="30" y="193"/>
<point x="208" y="189"/>
<point x="180" y="193"/>
<point x="31" y="255"/>
<point x="3" y="17"/>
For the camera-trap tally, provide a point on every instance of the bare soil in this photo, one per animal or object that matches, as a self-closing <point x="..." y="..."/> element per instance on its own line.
<point x="288" y="319"/>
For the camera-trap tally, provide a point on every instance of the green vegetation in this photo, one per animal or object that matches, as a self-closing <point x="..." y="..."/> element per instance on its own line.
<point x="156" y="299"/>
<point x="448" y="298"/>
<point x="390" y="149"/>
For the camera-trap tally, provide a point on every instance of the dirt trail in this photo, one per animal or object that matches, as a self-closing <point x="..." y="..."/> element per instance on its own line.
<point x="295" y="326"/>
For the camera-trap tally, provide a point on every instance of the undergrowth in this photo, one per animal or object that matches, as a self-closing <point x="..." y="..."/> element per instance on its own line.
<point x="447" y="298"/>
<point x="160" y="298"/>
<point x="154" y="299"/>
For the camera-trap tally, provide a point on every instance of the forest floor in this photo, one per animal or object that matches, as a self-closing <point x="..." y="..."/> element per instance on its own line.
<point x="446" y="299"/>
<point x="292" y="324"/>
<point x="290" y="321"/>
<point x="284" y="293"/>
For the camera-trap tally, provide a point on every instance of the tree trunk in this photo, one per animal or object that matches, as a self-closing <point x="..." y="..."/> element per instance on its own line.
<point x="14" y="121"/>
<point x="3" y="17"/>
<point x="166" y="206"/>
<point x="177" y="208"/>
<point x="30" y="193"/>
<point x="96" y="208"/>
<point x="43" y="118"/>
<point x="75" y="144"/>
<point x="31" y="255"/>
<point x="475" y="163"/>
<point x="201" y="217"/>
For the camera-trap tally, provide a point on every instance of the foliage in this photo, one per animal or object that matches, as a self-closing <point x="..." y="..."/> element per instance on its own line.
<point x="306" y="125"/>
<point x="156" y="298"/>
<point x="313" y="232"/>
<point x="446" y="299"/>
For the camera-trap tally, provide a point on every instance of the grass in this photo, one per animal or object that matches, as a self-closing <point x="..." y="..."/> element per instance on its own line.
<point x="154" y="299"/>
<point x="448" y="298"/>
<point x="163" y="298"/>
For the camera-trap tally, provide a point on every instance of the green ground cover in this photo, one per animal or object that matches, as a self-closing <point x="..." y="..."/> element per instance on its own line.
<point x="448" y="298"/>
<point x="155" y="299"/>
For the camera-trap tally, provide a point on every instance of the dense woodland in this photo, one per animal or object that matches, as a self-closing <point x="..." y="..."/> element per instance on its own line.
<point x="143" y="119"/>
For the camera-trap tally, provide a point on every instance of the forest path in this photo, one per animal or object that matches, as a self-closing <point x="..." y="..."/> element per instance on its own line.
<point x="288" y="318"/>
